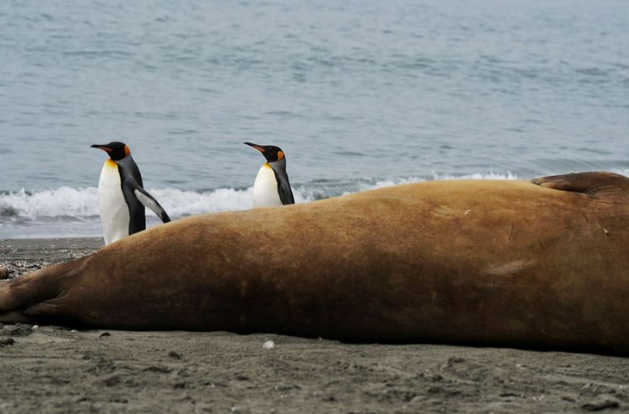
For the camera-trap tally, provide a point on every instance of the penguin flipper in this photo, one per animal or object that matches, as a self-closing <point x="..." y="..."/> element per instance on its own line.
<point x="150" y="202"/>
<point x="286" y="194"/>
<point x="283" y="186"/>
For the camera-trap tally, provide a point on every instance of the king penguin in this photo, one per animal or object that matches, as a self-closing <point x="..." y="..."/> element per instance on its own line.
<point x="121" y="198"/>
<point x="272" y="187"/>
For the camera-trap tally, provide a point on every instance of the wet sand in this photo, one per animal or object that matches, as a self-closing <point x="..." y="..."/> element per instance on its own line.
<point x="49" y="369"/>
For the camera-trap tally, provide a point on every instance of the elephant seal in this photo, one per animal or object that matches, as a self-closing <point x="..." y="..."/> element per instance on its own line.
<point x="498" y="263"/>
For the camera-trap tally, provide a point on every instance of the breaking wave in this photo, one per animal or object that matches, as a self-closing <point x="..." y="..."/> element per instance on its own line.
<point x="82" y="203"/>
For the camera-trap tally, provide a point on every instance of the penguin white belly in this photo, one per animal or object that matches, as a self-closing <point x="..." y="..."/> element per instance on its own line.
<point x="113" y="209"/>
<point x="265" y="192"/>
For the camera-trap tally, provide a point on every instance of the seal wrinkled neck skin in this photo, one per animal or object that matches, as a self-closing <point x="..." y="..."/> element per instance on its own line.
<point x="116" y="150"/>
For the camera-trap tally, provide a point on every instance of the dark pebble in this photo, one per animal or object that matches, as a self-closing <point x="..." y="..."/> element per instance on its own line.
<point x="6" y="341"/>
<point x="111" y="381"/>
<point x="434" y="390"/>
<point x="18" y="330"/>
<point x="4" y="273"/>
<point x="158" y="369"/>
<point x="174" y="355"/>
<point x="601" y="404"/>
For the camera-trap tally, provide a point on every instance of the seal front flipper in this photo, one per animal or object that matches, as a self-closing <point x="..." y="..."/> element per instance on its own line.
<point x="20" y="297"/>
<point x="15" y="317"/>
<point x="602" y="186"/>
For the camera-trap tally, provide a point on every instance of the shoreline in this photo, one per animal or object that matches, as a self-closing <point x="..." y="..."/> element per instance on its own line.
<point x="53" y="369"/>
<point x="21" y="256"/>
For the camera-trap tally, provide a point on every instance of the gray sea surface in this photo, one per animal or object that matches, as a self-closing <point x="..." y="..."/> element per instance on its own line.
<point x="359" y="94"/>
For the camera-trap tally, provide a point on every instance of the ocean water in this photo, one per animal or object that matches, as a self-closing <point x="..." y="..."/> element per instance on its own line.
<point x="360" y="94"/>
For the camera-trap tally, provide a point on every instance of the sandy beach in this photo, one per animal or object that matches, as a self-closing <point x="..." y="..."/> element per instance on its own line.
<point x="48" y="369"/>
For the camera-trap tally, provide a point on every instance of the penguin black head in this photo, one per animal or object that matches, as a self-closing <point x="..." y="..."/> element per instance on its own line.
<point x="270" y="152"/>
<point x="116" y="150"/>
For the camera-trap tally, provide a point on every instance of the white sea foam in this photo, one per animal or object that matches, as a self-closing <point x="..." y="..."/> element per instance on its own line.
<point x="73" y="212"/>
<point x="61" y="202"/>
<point x="82" y="204"/>
<point x="478" y="176"/>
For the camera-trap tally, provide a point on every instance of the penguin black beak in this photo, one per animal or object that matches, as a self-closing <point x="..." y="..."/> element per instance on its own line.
<point x="256" y="146"/>
<point x="103" y="147"/>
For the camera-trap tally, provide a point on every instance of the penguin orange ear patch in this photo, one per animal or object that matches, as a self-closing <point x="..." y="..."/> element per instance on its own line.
<point x="280" y="155"/>
<point x="127" y="151"/>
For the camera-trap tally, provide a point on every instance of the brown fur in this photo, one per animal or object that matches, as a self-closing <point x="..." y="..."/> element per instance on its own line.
<point x="506" y="263"/>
